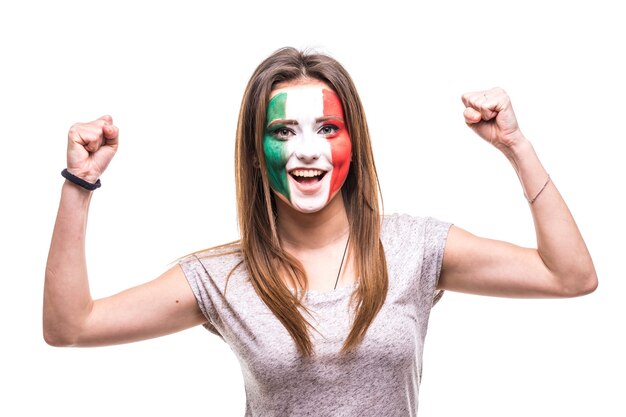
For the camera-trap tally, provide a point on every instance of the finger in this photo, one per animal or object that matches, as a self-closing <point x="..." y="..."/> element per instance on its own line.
<point x="87" y="135"/>
<point x="106" y="118"/>
<point x="472" y="116"/>
<point x="110" y="134"/>
<point x="92" y="141"/>
<point x="472" y="99"/>
<point x="477" y="96"/>
<point x="488" y="108"/>
<point x="101" y="121"/>
<point x="484" y="102"/>
<point x="94" y="134"/>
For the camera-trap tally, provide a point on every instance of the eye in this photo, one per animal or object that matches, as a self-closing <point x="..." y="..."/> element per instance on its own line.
<point x="283" y="133"/>
<point x="328" y="130"/>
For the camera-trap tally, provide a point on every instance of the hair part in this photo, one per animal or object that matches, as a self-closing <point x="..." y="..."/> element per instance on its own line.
<point x="260" y="244"/>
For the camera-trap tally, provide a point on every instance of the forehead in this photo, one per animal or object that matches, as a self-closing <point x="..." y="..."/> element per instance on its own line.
<point x="298" y="85"/>
<point x="302" y="100"/>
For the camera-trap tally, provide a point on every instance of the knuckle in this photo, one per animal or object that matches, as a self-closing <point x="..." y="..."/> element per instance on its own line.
<point x="76" y="132"/>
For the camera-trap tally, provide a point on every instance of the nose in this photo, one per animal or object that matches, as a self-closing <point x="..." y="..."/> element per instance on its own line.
<point x="309" y="149"/>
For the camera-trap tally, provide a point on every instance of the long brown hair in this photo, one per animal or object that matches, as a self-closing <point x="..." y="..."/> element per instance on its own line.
<point x="260" y="244"/>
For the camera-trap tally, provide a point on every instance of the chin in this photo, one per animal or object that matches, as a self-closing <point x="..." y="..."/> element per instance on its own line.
<point x="312" y="208"/>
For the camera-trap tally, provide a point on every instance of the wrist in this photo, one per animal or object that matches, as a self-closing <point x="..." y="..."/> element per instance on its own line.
<point x="84" y="171"/>
<point x="76" y="193"/>
<point x="80" y="181"/>
<point x="518" y="149"/>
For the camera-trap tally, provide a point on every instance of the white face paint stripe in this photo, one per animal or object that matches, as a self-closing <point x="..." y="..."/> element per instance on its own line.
<point x="308" y="149"/>
<point x="304" y="105"/>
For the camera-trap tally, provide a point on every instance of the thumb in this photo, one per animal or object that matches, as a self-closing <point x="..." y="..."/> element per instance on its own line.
<point x="111" y="134"/>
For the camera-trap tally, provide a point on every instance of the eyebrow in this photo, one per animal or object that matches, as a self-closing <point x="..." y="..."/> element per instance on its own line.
<point x="280" y="122"/>
<point x="326" y="118"/>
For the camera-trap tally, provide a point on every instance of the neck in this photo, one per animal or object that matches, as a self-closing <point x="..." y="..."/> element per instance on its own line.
<point x="303" y="231"/>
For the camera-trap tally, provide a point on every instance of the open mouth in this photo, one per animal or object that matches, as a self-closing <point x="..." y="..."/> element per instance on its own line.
<point x="307" y="176"/>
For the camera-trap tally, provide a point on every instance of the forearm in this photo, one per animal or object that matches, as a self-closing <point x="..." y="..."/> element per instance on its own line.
<point x="559" y="242"/>
<point x="67" y="300"/>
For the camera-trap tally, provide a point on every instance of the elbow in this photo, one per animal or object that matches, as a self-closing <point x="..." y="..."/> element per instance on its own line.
<point x="583" y="284"/>
<point x="591" y="284"/>
<point x="55" y="340"/>
<point x="56" y="336"/>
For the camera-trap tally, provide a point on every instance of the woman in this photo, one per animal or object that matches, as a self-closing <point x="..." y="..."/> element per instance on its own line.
<point x="324" y="302"/>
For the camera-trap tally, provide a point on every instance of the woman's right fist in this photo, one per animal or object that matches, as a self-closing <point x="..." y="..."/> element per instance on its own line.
<point x="90" y="148"/>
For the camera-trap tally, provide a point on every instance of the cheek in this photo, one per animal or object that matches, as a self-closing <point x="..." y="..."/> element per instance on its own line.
<point x="341" y="148"/>
<point x="276" y="155"/>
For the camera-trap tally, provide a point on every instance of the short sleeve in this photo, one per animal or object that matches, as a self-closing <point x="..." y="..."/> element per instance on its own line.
<point x="201" y="283"/>
<point x="414" y="248"/>
<point x="435" y="237"/>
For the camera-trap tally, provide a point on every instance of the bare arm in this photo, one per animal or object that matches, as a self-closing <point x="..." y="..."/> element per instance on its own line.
<point x="560" y="266"/>
<point x="70" y="316"/>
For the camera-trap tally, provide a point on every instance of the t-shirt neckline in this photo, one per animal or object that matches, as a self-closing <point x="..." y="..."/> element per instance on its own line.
<point x="339" y="292"/>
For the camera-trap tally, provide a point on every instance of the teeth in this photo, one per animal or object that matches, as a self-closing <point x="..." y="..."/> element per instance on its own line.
<point x="307" y="173"/>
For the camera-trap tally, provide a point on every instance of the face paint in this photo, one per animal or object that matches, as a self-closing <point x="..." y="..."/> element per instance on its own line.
<point x="276" y="149"/>
<point x="307" y="146"/>
<point x="341" y="149"/>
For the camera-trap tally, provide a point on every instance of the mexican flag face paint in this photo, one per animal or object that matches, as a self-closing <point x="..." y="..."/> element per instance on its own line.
<point x="307" y="146"/>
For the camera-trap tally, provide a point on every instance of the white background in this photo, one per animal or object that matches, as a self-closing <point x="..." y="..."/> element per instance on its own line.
<point x="172" y="76"/>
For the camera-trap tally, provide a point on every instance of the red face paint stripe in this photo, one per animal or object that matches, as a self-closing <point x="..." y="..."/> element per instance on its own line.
<point x="340" y="145"/>
<point x="332" y="104"/>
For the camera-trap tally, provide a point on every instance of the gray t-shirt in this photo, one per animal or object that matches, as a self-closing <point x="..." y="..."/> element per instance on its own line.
<point x="381" y="378"/>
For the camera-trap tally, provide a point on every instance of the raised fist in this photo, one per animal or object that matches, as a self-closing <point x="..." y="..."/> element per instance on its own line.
<point x="90" y="148"/>
<point x="490" y="114"/>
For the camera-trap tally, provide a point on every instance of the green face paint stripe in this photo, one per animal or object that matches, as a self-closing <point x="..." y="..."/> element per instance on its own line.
<point x="275" y="149"/>
<point x="275" y="159"/>
<point x="276" y="107"/>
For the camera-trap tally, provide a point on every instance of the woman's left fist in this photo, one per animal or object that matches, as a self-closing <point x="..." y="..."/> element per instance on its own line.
<point x="490" y="114"/>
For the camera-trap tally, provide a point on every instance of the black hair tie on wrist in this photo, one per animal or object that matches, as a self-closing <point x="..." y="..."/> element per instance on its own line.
<point x="79" y="181"/>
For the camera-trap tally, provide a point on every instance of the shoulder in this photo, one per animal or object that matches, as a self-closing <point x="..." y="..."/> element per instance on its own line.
<point x="217" y="262"/>
<point x="414" y="248"/>
<point x="401" y="228"/>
